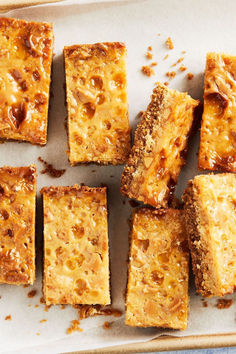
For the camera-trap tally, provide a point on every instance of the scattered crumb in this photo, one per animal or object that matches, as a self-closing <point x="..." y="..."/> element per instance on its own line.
<point x="8" y="318"/>
<point x="63" y="307"/>
<point x="204" y="303"/>
<point x="166" y="56"/>
<point x="123" y="201"/>
<point x="139" y="115"/>
<point x="29" y="305"/>
<point x="171" y="74"/>
<point x="32" y="293"/>
<point x="166" y="83"/>
<point x="224" y="303"/>
<point x="178" y="61"/>
<point x="43" y="320"/>
<point x="182" y="68"/>
<point x="36" y="306"/>
<point x="107" y="325"/>
<point x="49" y="169"/>
<point x="190" y="76"/>
<point x="111" y="176"/>
<point x="150" y="48"/>
<point x="47" y="307"/>
<point x="38" y="333"/>
<point x="42" y="300"/>
<point x="158" y="34"/>
<point x="26" y="285"/>
<point x="169" y="43"/>
<point x="74" y="327"/>
<point x="133" y="203"/>
<point x="154" y="63"/>
<point x="146" y="70"/>
<point x="93" y="171"/>
<point x="183" y="51"/>
<point x="149" y="55"/>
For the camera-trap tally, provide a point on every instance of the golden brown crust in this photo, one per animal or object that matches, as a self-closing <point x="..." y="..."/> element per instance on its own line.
<point x="17" y="224"/>
<point x="210" y="222"/>
<point x="157" y="291"/>
<point x="218" y="130"/>
<point x="25" y="69"/>
<point x="96" y="91"/>
<point x="159" y="147"/>
<point x="76" y="254"/>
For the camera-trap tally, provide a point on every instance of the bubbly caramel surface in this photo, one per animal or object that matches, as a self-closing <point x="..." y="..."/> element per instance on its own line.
<point x="25" y="69"/>
<point x="96" y="90"/>
<point x="17" y="224"/>
<point x="218" y="131"/>
<point x="157" y="292"/>
<point x="76" y="260"/>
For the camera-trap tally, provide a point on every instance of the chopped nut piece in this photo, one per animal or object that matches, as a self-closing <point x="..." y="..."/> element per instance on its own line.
<point x="171" y="74"/>
<point x="157" y="292"/>
<point x="76" y="261"/>
<point x="17" y="218"/>
<point x="25" y="71"/>
<point x="169" y="43"/>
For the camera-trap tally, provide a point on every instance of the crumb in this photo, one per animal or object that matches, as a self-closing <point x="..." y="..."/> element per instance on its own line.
<point x="32" y="293"/>
<point x="36" y="306"/>
<point x="166" y="56"/>
<point x="42" y="300"/>
<point x="158" y="34"/>
<point x="63" y="307"/>
<point x="26" y="286"/>
<point x="38" y="333"/>
<point x="74" y="327"/>
<point x="190" y="76"/>
<point x="107" y="325"/>
<point x="171" y="74"/>
<point x="166" y="83"/>
<point x="47" y="307"/>
<point x="178" y="61"/>
<point x="182" y="68"/>
<point x="93" y="171"/>
<point x="169" y="43"/>
<point x="224" y="303"/>
<point x="139" y="115"/>
<point x="149" y="55"/>
<point x="111" y="176"/>
<point x="8" y="318"/>
<point x="133" y="203"/>
<point x="150" y="48"/>
<point x="183" y="51"/>
<point x="123" y="202"/>
<point x="154" y="63"/>
<point x="29" y="305"/>
<point x="147" y="70"/>
<point x="43" y="320"/>
<point x="49" y="169"/>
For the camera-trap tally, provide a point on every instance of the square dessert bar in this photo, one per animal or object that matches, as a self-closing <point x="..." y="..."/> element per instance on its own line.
<point x="76" y="260"/>
<point x="157" y="291"/>
<point x="17" y="224"/>
<point x="96" y="91"/>
<point x="25" y="71"/>
<point x="159" y="147"/>
<point x="210" y="214"/>
<point x="218" y="131"/>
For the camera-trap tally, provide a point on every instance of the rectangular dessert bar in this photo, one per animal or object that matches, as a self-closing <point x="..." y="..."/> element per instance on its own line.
<point x="210" y="216"/>
<point x="96" y="91"/>
<point x="218" y="131"/>
<point x="157" y="292"/>
<point x="159" y="147"/>
<point x="17" y="224"/>
<point x="25" y="71"/>
<point x="76" y="260"/>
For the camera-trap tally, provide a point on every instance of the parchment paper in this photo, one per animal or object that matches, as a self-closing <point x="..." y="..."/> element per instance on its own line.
<point x="196" y="27"/>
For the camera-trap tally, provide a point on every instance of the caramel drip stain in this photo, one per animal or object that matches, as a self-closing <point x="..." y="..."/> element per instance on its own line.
<point x="49" y="169"/>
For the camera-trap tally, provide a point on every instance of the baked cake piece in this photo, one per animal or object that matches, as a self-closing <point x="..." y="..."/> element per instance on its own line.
<point x="218" y="131"/>
<point x="76" y="260"/>
<point x="96" y="91"/>
<point x="25" y="70"/>
<point x="17" y="224"/>
<point x="210" y="202"/>
<point x="159" y="147"/>
<point x="157" y="292"/>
